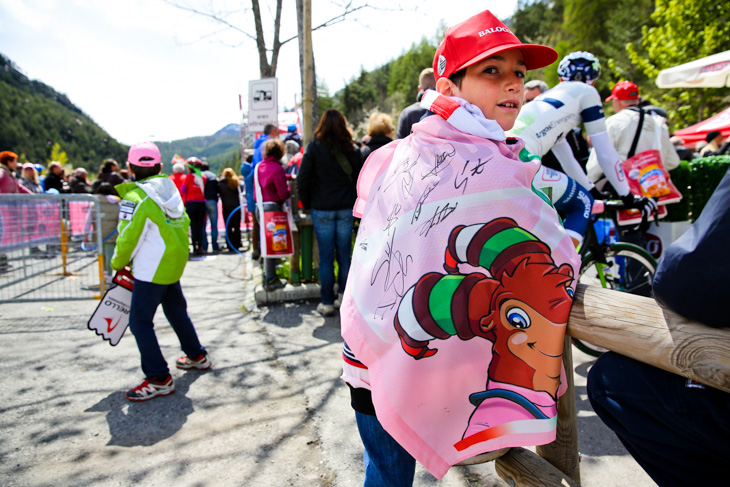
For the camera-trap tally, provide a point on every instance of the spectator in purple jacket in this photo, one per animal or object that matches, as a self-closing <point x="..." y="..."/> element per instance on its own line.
<point x="8" y="166"/>
<point x="274" y="193"/>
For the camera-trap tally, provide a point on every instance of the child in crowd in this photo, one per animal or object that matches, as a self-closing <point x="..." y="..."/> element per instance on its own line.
<point x="153" y="235"/>
<point x="274" y="191"/>
<point x="455" y="311"/>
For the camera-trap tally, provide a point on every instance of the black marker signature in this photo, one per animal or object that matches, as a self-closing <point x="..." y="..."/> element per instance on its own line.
<point x="407" y="184"/>
<point x="404" y="167"/>
<point x="421" y="201"/>
<point x="381" y="309"/>
<point x="395" y="265"/>
<point x="479" y="167"/>
<point x="442" y="161"/>
<point x="476" y="170"/>
<point x="392" y="218"/>
<point x="439" y="215"/>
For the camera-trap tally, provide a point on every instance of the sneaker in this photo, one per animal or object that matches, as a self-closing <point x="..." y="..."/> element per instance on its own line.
<point x="201" y="363"/>
<point x="326" y="309"/>
<point x="151" y="388"/>
<point x="338" y="301"/>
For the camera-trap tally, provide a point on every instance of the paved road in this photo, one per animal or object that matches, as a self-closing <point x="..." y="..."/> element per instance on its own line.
<point x="272" y="412"/>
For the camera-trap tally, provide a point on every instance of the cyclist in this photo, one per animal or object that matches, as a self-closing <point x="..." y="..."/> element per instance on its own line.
<point x="543" y="125"/>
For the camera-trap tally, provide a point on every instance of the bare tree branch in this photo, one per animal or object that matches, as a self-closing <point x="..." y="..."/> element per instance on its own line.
<point x="268" y="69"/>
<point x="260" y="41"/>
<point x="211" y="16"/>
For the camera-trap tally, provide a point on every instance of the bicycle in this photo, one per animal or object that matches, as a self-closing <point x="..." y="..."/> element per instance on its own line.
<point x="613" y="265"/>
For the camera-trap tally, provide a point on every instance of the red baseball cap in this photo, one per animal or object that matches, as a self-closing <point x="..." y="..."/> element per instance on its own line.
<point x="624" y="90"/>
<point x="480" y="37"/>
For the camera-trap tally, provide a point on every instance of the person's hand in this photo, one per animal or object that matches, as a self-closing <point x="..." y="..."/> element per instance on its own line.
<point x="647" y="206"/>
<point x="600" y="195"/>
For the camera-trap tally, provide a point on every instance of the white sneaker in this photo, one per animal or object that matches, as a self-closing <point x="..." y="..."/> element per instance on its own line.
<point x="326" y="309"/>
<point x="338" y="301"/>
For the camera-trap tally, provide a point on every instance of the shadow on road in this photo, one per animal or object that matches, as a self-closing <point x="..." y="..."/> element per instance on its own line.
<point x="147" y="423"/>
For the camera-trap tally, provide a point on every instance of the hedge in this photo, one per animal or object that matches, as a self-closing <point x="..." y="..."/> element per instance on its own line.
<point x="696" y="180"/>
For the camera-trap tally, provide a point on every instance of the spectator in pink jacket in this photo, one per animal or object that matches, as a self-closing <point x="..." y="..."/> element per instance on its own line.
<point x="274" y="192"/>
<point x="8" y="166"/>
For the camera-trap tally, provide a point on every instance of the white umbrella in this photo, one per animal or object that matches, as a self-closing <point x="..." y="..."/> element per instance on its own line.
<point x="708" y="72"/>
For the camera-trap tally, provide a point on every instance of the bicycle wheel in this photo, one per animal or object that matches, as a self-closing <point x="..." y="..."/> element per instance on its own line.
<point x="627" y="268"/>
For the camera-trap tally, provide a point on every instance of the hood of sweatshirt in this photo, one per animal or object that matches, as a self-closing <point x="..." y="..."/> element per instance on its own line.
<point x="463" y="115"/>
<point x="163" y="192"/>
<point x="262" y="138"/>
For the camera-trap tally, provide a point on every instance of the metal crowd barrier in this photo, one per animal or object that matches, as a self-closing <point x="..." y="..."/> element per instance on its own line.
<point x="50" y="247"/>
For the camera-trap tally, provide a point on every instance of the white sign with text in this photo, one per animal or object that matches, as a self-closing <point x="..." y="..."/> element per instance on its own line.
<point x="263" y="104"/>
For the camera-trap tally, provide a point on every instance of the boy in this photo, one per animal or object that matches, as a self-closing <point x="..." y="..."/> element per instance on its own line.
<point x="455" y="241"/>
<point x="153" y="235"/>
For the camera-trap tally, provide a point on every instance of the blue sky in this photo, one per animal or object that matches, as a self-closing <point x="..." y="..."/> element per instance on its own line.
<point x="145" y="70"/>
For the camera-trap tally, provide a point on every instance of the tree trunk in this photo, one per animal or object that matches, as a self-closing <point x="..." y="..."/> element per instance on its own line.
<point x="266" y="69"/>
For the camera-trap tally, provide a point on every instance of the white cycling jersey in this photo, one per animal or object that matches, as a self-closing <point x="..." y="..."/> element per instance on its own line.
<point x="544" y="123"/>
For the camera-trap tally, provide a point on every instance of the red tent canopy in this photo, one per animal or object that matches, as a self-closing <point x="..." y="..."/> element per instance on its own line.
<point x="697" y="132"/>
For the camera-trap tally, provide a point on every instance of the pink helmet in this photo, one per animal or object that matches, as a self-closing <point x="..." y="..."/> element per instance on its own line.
<point x="144" y="154"/>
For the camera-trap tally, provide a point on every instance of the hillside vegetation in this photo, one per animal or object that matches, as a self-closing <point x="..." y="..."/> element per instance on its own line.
<point x="633" y="39"/>
<point x="35" y="117"/>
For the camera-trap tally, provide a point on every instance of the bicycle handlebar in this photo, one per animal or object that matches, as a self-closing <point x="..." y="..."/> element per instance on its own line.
<point x="599" y="206"/>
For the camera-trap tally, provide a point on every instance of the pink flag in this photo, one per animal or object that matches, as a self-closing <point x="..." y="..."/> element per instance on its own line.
<point x="459" y="293"/>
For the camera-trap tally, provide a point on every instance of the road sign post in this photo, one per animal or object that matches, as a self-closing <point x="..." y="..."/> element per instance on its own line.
<point x="263" y="106"/>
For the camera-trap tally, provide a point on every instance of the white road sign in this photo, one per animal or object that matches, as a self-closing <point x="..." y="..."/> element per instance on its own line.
<point x="263" y="104"/>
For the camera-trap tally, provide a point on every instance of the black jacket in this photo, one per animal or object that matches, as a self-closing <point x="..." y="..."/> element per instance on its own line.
<point x="692" y="276"/>
<point x="54" y="181"/>
<point x="111" y="177"/>
<point x="410" y="115"/>
<point x="374" y="144"/>
<point x="210" y="190"/>
<point x="322" y="183"/>
<point x="229" y="197"/>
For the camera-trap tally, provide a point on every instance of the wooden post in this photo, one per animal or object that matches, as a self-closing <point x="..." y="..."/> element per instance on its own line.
<point x="520" y="467"/>
<point x="295" y="276"/>
<point x="563" y="452"/>
<point x="102" y="275"/>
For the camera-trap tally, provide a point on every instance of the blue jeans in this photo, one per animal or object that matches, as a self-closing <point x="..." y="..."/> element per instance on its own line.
<point x="386" y="463"/>
<point x="211" y="210"/>
<point x="146" y="297"/>
<point x="334" y="231"/>
<point x="677" y="433"/>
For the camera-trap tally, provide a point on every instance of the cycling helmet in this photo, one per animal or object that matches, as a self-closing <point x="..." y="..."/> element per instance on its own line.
<point x="579" y="66"/>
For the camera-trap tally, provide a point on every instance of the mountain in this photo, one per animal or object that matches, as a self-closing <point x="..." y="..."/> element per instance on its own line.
<point x="231" y="128"/>
<point x="35" y="117"/>
<point x="220" y="150"/>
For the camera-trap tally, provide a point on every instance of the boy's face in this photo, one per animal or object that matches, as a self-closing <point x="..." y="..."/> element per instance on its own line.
<point x="496" y="85"/>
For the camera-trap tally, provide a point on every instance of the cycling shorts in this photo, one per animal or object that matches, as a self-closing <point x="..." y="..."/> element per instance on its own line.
<point x="571" y="199"/>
